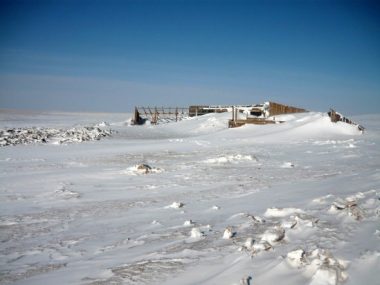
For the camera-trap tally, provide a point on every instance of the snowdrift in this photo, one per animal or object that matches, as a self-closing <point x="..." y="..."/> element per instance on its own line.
<point x="296" y="127"/>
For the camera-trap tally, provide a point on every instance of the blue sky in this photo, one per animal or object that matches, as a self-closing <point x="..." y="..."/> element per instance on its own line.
<point x="112" y="55"/>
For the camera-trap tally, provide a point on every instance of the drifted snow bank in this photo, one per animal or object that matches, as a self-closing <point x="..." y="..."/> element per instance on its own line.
<point x="229" y="159"/>
<point x="298" y="127"/>
<point x="281" y="212"/>
<point x="14" y="136"/>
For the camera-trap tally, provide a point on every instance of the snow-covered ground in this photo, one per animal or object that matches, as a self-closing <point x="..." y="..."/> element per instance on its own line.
<point x="293" y="203"/>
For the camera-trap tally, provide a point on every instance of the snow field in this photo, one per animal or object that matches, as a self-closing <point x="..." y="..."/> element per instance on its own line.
<point x="223" y="209"/>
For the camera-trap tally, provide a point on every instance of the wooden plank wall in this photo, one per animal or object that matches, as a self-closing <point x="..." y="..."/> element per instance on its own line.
<point x="279" y="109"/>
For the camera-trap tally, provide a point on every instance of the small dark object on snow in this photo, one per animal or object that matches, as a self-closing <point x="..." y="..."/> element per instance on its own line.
<point x="145" y="168"/>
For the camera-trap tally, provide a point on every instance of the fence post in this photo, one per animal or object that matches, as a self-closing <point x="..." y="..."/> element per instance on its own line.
<point x="155" y="115"/>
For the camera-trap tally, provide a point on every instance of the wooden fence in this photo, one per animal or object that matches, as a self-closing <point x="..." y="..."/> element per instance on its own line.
<point x="154" y="114"/>
<point x="280" y="109"/>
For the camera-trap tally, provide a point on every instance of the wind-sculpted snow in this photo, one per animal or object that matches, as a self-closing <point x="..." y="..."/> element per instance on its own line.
<point x="192" y="202"/>
<point x="15" y="136"/>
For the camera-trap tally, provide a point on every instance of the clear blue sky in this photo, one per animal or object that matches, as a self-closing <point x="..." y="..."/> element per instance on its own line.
<point x="112" y="55"/>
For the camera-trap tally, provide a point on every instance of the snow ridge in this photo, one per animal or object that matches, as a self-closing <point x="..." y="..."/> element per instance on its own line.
<point x="14" y="136"/>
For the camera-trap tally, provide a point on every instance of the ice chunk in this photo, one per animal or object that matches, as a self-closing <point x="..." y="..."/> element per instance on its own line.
<point x="296" y="257"/>
<point x="143" y="168"/>
<point x="273" y="235"/>
<point x="196" y="233"/>
<point x="188" y="223"/>
<point x="281" y="212"/>
<point x="175" y="205"/>
<point x="228" y="233"/>
<point x="262" y="245"/>
<point x="287" y="165"/>
<point x="249" y="243"/>
<point x="289" y="224"/>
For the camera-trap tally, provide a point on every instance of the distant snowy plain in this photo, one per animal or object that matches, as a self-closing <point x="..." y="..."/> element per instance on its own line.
<point x="293" y="203"/>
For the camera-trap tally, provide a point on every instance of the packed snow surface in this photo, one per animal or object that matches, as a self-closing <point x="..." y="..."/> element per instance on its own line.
<point x="191" y="202"/>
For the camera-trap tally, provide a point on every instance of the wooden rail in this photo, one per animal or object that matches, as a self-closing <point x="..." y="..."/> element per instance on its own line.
<point x="154" y="114"/>
<point x="280" y="109"/>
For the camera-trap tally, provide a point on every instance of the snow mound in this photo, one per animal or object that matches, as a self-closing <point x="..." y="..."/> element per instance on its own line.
<point x="65" y="193"/>
<point x="349" y="143"/>
<point x="281" y="212"/>
<point x="255" y="219"/>
<point x="330" y="270"/>
<point x="249" y="243"/>
<point x="229" y="159"/>
<point x="296" y="258"/>
<point x="289" y="224"/>
<point x="196" y="233"/>
<point x="349" y="207"/>
<point x="211" y="123"/>
<point x="287" y="165"/>
<point x="263" y="245"/>
<point x="102" y="125"/>
<point x="188" y="223"/>
<point x="273" y="235"/>
<point x="228" y="233"/>
<point x="299" y="127"/>
<point x="319" y="123"/>
<point x="175" y="205"/>
<point x="195" y="126"/>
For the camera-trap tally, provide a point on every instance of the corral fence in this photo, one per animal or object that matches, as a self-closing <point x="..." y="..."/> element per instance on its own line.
<point x="280" y="109"/>
<point x="154" y="114"/>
